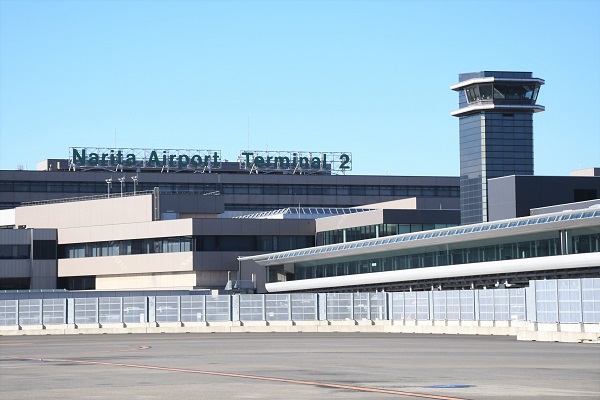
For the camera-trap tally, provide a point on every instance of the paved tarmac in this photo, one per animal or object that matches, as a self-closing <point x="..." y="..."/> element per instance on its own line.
<point x="295" y="366"/>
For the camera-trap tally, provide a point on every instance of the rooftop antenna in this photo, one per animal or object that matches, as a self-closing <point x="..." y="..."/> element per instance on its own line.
<point x="122" y="180"/>
<point x="135" y="181"/>
<point x="109" y="184"/>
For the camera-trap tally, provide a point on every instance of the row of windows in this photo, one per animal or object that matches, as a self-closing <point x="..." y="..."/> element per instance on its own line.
<point x="490" y="116"/>
<point x="316" y="190"/>
<point x="185" y="243"/>
<point x="491" y="92"/>
<point x="503" y="140"/>
<point x="585" y="243"/>
<point x="42" y="250"/>
<point x="14" y="251"/>
<point x="326" y="190"/>
<point x="373" y="231"/>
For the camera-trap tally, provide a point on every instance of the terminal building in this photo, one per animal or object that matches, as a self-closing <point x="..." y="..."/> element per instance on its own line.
<point x="173" y="219"/>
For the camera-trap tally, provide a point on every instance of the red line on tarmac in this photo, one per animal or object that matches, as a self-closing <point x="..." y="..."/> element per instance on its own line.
<point x="255" y="377"/>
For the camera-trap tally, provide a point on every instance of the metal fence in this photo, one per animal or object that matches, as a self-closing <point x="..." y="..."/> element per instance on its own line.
<point x="564" y="301"/>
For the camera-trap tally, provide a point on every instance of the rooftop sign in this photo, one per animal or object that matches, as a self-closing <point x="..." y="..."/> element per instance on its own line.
<point x="294" y="160"/>
<point x="96" y="157"/>
<point x="206" y="160"/>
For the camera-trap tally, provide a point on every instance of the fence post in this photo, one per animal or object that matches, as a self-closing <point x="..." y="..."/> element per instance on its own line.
<point x="70" y="311"/>
<point x="151" y="309"/>
<point x="530" y="299"/>
<point x="579" y="281"/>
<point x="121" y="309"/>
<point x="476" y="313"/>
<point x="556" y="299"/>
<point x="386" y="313"/>
<point x="322" y="306"/>
<point x="431" y="305"/>
<point x="236" y="300"/>
<point x="41" y="313"/>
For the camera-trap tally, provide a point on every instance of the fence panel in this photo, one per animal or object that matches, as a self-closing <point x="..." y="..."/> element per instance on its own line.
<point x="501" y="304"/>
<point x="397" y="305"/>
<point x="218" y="308"/>
<point x="439" y="305"/>
<point x="453" y="305"/>
<point x="30" y="312"/>
<point x="251" y="307"/>
<point x="486" y="305"/>
<point x="378" y="306"/>
<point x="135" y="309"/>
<point x="518" y="307"/>
<point x="467" y="305"/>
<point x="54" y="311"/>
<point x="422" y="304"/>
<point x="192" y="309"/>
<point x="569" y="301"/>
<point x="167" y="309"/>
<point x="86" y="310"/>
<point x="304" y="307"/>
<point x="339" y="306"/>
<point x="590" y="297"/>
<point x="8" y="312"/>
<point x="546" y="301"/>
<point x="361" y="305"/>
<point x="410" y="305"/>
<point x="277" y="307"/>
<point x="109" y="310"/>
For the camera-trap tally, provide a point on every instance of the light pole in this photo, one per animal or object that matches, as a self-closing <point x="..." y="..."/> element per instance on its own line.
<point x="109" y="184"/>
<point x="122" y="180"/>
<point x="135" y="181"/>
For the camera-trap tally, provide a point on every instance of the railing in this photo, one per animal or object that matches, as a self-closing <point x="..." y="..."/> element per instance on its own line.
<point x="87" y="198"/>
<point x="551" y="301"/>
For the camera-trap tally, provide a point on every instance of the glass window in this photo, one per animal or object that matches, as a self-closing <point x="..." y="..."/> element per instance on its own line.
<point x="472" y="93"/>
<point x="486" y="92"/>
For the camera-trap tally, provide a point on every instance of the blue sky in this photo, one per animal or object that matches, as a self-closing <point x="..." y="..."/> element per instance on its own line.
<point x="368" y="77"/>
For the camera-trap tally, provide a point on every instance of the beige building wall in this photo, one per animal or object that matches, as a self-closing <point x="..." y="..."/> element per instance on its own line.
<point x="364" y="218"/>
<point x="125" y="231"/>
<point x="586" y="172"/>
<point x="124" y="265"/>
<point x="116" y="210"/>
<point x="170" y="281"/>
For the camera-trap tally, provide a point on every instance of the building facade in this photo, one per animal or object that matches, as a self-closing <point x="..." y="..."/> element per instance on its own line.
<point x="496" y="133"/>
<point x="509" y="252"/>
<point x="243" y="192"/>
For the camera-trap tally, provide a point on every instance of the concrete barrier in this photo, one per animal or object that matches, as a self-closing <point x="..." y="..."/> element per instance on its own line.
<point x="523" y="330"/>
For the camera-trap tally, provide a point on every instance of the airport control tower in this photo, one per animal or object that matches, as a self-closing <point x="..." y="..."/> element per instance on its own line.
<point x="496" y="133"/>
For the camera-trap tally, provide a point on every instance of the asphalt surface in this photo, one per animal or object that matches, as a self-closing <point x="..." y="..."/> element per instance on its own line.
<point x="295" y="366"/>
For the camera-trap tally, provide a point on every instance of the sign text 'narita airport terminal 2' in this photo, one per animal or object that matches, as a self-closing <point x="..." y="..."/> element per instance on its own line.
<point x="187" y="159"/>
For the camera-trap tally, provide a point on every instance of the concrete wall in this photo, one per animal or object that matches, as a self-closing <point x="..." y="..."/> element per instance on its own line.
<point x="116" y="210"/>
<point x="388" y="216"/>
<point x="513" y="196"/>
<point x="124" y="265"/>
<point x="125" y="231"/>
<point x="148" y="281"/>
